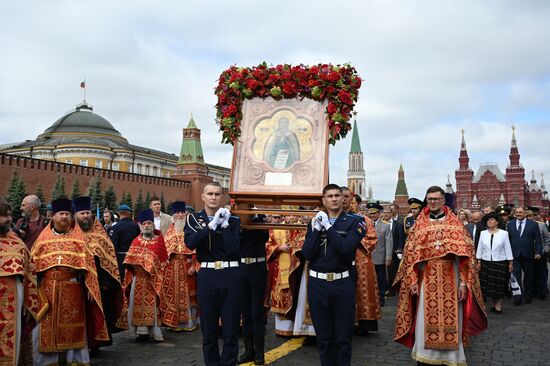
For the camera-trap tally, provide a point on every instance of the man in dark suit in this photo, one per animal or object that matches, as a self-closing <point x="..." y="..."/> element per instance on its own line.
<point x="526" y="243"/>
<point x="474" y="228"/>
<point x="398" y="235"/>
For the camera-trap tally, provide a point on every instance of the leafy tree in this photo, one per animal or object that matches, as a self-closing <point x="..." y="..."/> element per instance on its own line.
<point x="110" y="198"/>
<point x="40" y="194"/>
<point x="59" y="188"/>
<point x="16" y="193"/>
<point x="76" y="189"/>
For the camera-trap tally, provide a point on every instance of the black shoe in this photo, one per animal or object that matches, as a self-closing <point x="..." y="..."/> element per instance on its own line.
<point x="259" y="357"/>
<point x="542" y="297"/>
<point x="310" y="341"/>
<point x="248" y="354"/>
<point x="498" y="312"/>
<point x="528" y="300"/>
<point x="517" y="300"/>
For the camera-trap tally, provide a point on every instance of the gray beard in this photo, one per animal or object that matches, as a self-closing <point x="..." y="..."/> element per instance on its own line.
<point x="179" y="224"/>
<point x="85" y="225"/>
<point x="148" y="234"/>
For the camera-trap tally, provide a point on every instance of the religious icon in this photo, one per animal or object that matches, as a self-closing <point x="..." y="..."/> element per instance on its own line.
<point x="282" y="149"/>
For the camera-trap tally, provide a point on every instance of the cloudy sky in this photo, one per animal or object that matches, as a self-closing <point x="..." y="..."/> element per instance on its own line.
<point x="430" y="69"/>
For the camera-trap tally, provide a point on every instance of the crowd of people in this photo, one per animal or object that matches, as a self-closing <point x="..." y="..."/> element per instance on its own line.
<point x="70" y="280"/>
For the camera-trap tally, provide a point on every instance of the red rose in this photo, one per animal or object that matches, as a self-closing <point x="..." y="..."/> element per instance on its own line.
<point x="230" y="111"/>
<point x="332" y="108"/>
<point x="345" y="97"/>
<point x="311" y="83"/>
<point x="289" y="88"/>
<point x="333" y="77"/>
<point x="330" y="90"/>
<point x="314" y="70"/>
<point x="259" y="74"/>
<point x="273" y="79"/>
<point x="252" y="84"/>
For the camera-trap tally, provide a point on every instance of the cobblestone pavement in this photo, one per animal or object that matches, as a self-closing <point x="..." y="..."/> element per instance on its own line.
<point x="520" y="336"/>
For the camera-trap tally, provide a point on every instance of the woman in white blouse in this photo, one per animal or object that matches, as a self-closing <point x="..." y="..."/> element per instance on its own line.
<point x="495" y="253"/>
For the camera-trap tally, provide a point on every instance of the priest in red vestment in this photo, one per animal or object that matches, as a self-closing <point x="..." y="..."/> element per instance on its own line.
<point x="19" y="299"/>
<point x="147" y="302"/>
<point x="180" y="280"/>
<point x="67" y="275"/>
<point x="440" y="301"/>
<point x="103" y="251"/>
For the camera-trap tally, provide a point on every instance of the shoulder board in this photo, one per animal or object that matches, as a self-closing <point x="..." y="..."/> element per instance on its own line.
<point x="235" y="217"/>
<point x="355" y="215"/>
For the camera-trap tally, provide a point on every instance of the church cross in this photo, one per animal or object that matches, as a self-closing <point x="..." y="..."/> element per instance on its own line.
<point x="59" y="258"/>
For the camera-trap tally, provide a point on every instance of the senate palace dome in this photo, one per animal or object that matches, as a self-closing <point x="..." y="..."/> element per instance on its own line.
<point x="83" y="137"/>
<point x="82" y="121"/>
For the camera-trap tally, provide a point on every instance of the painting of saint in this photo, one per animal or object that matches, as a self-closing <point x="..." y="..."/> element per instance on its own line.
<point x="282" y="148"/>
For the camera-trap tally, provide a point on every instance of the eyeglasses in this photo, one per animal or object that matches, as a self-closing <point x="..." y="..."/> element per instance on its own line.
<point x="434" y="199"/>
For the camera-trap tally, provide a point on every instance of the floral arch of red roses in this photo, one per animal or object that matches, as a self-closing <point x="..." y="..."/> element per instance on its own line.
<point x="337" y="84"/>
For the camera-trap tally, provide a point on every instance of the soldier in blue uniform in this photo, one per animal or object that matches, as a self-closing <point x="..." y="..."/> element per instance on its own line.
<point x="215" y="235"/>
<point x="254" y="285"/>
<point x="122" y="234"/>
<point x="416" y="207"/>
<point x="330" y="245"/>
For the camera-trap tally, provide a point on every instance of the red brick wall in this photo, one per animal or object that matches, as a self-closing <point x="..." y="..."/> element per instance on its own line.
<point x="34" y="171"/>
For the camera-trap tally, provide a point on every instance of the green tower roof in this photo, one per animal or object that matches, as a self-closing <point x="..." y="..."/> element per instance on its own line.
<point x="192" y="123"/>
<point x="401" y="189"/>
<point x="191" y="148"/>
<point x="355" y="143"/>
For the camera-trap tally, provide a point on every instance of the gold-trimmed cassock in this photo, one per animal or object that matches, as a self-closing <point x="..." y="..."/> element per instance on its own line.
<point x="68" y="276"/>
<point x="16" y="266"/>
<point x="437" y="255"/>
<point x="180" y="287"/>
<point x="367" y="296"/>
<point x="285" y="275"/>
<point x="102" y="248"/>
<point x="146" y="262"/>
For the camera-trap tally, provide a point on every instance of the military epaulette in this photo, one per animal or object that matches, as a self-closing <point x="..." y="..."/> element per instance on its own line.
<point x="353" y="214"/>
<point x="234" y="217"/>
<point x="386" y="222"/>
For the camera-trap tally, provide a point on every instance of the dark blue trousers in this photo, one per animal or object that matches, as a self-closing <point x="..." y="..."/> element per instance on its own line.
<point x="332" y="306"/>
<point x="219" y="293"/>
<point x="254" y="285"/>
<point x="381" y="280"/>
<point x="541" y="276"/>
<point x="527" y="266"/>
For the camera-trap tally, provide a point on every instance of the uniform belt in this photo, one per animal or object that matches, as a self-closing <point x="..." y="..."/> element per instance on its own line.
<point x="219" y="264"/>
<point x="331" y="276"/>
<point x="121" y="252"/>
<point x="248" y="260"/>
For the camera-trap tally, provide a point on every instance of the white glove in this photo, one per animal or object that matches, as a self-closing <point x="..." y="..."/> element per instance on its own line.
<point x="316" y="224"/>
<point x="225" y="218"/>
<point x="217" y="219"/>
<point x="322" y="218"/>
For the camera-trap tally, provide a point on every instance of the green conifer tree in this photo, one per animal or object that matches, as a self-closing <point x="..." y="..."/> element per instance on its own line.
<point x="76" y="189"/>
<point x="110" y="198"/>
<point x="140" y="204"/>
<point x="59" y="188"/>
<point x="16" y="193"/>
<point x="96" y="194"/>
<point x="40" y="194"/>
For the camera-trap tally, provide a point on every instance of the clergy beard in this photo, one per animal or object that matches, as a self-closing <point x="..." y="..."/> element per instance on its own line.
<point x="4" y="229"/>
<point x="147" y="233"/>
<point x="179" y="224"/>
<point x="85" y="224"/>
